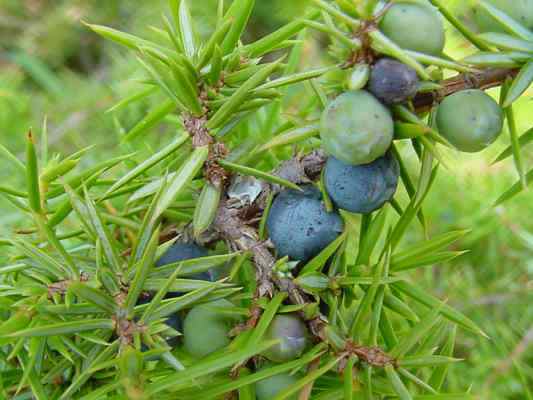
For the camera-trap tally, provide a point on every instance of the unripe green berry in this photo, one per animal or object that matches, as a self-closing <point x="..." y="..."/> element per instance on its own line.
<point x="205" y="330"/>
<point x="414" y="26"/>
<point x="356" y="128"/>
<point x="291" y="332"/>
<point x="358" y="78"/>
<point x="471" y="120"/>
<point x="519" y="10"/>
<point x="268" y="388"/>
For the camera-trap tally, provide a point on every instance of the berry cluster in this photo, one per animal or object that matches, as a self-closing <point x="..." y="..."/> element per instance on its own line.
<point x="206" y="329"/>
<point x="361" y="175"/>
<point x="357" y="130"/>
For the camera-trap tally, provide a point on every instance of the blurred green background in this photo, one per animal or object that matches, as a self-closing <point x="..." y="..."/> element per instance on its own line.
<point x="52" y="66"/>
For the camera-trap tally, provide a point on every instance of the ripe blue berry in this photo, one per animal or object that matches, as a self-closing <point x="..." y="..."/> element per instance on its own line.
<point x="356" y="128"/>
<point x="291" y="332"/>
<point x="299" y="225"/>
<point x="392" y="82"/>
<point x="174" y="321"/>
<point x="181" y="252"/>
<point x="414" y="26"/>
<point x="471" y="120"/>
<point x="362" y="188"/>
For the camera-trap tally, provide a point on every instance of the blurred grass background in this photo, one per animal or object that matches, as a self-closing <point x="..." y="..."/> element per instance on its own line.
<point x="51" y="65"/>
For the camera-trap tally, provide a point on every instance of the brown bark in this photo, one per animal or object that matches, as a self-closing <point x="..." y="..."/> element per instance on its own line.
<point x="478" y="80"/>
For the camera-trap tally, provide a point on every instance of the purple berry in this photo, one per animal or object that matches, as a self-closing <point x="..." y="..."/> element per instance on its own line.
<point x="392" y="82"/>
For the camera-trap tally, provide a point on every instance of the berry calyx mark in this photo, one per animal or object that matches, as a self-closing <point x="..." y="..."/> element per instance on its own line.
<point x="61" y="287"/>
<point x="126" y="329"/>
<point x="371" y="355"/>
<point x="195" y="126"/>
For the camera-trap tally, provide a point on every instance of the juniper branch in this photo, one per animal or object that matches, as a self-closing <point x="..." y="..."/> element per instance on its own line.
<point x="483" y="80"/>
<point x="234" y="222"/>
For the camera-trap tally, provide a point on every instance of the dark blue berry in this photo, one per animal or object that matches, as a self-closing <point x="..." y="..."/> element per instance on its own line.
<point x="392" y="82"/>
<point x="178" y="252"/>
<point x="299" y="225"/>
<point x="362" y="188"/>
<point x="174" y="321"/>
<point x="181" y="252"/>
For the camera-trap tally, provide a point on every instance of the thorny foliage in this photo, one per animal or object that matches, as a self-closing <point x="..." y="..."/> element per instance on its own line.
<point x="74" y="327"/>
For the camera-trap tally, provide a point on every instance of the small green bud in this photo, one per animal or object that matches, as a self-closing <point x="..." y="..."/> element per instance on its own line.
<point x="358" y="78"/>
<point x="54" y="169"/>
<point x="311" y="311"/>
<point x="313" y="282"/>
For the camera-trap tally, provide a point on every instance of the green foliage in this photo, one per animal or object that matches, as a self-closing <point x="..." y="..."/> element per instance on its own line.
<point x="72" y="323"/>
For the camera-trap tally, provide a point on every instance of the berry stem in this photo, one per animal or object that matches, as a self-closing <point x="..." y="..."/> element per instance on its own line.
<point x="483" y="80"/>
